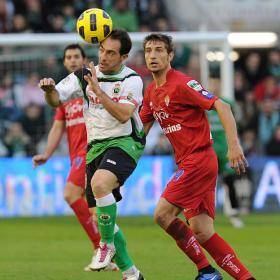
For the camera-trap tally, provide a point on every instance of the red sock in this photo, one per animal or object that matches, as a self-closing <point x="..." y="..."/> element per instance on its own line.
<point x="80" y="208"/>
<point x="187" y="242"/>
<point x="226" y="258"/>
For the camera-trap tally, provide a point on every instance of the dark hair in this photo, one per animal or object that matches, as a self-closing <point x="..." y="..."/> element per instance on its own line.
<point x="167" y="40"/>
<point x="123" y="37"/>
<point x="73" y="47"/>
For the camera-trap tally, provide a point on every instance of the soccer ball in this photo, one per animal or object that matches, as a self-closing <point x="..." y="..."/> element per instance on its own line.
<point x="94" y="25"/>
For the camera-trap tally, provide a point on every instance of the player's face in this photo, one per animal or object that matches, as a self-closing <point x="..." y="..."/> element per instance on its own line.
<point x="156" y="56"/>
<point x="73" y="60"/>
<point x="109" y="56"/>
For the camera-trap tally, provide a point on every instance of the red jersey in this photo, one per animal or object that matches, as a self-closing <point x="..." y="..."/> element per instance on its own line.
<point x="72" y="113"/>
<point x="179" y="106"/>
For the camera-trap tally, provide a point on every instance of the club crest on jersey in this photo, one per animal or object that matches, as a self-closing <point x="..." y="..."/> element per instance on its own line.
<point x="167" y="100"/>
<point x="117" y="89"/>
<point x="194" y="85"/>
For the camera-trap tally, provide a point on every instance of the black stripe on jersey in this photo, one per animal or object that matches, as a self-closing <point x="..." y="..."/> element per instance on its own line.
<point x="112" y="80"/>
<point x="135" y="135"/>
<point x="80" y="75"/>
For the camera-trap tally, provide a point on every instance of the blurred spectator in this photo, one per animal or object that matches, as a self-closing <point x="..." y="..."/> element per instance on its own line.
<point x="3" y="150"/>
<point x="16" y="140"/>
<point x="161" y="25"/>
<point x="52" y="68"/>
<point x="267" y="121"/>
<point x="34" y="14"/>
<point x="274" y="63"/>
<point x="8" y="108"/>
<point x="30" y="92"/>
<point x="248" y="142"/>
<point x="19" y="24"/>
<point x="273" y="146"/>
<point x="123" y="17"/>
<point x="150" y="10"/>
<point x="253" y="69"/>
<point x="192" y="69"/>
<point x="247" y="117"/>
<point x="69" y="18"/>
<point x="240" y="85"/>
<point x="267" y="88"/>
<point x="6" y="13"/>
<point x="56" y="23"/>
<point x="33" y="123"/>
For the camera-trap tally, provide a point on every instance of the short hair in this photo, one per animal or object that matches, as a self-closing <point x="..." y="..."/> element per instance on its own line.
<point x="73" y="47"/>
<point x="167" y="40"/>
<point x="123" y="37"/>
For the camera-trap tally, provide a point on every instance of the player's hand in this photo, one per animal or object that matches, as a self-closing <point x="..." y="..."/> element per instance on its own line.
<point x="237" y="159"/>
<point x="38" y="160"/>
<point x="92" y="80"/>
<point x="47" y="84"/>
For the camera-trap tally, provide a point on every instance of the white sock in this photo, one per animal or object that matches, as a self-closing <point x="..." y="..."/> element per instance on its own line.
<point x="131" y="271"/>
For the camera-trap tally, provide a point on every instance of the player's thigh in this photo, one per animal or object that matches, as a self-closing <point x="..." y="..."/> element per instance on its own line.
<point x="103" y="182"/>
<point x="165" y="212"/>
<point x="119" y="163"/>
<point x="73" y="192"/>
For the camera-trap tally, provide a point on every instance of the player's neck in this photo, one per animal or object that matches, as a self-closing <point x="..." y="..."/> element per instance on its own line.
<point x="160" y="77"/>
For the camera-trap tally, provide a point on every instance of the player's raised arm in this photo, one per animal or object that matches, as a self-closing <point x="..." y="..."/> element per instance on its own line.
<point x="51" y="94"/>
<point x="235" y="152"/>
<point x="54" y="138"/>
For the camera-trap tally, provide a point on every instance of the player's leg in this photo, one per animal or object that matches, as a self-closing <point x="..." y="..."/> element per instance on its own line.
<point x="203" y="229"/>
<point x="228" y="177"/>
<point x="74" y="195"/>
<point x="114" y="168"/>
<point x="231" y="201"/>
<point x="166" y="216"/>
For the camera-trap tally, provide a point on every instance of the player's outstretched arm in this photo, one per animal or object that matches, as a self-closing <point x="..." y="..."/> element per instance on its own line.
<point x="235" y="153"/>
<point x="51" y="94"/>
<point x="122" y="112"/>
<point x="54" y="138"/>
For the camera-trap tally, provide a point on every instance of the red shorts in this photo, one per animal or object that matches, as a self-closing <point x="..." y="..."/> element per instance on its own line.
<point x="192" y="188"/>
<point x="77" y="174"/>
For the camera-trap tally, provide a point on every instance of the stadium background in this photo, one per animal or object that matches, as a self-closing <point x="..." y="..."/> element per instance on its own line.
<point x="25" y="121"/>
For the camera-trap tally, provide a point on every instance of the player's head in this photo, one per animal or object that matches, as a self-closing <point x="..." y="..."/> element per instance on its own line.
<point x="73" y="57"/>
<point x="159" y="52"/>
<point x="113" y="51"/>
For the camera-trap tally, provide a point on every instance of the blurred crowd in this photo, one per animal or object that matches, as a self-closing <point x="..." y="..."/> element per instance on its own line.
<point x="42" y="16"/>
<point x="25" y="119"/>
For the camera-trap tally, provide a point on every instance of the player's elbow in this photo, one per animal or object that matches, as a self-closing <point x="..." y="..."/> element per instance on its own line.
<point x="222" y="106"/>
<point x="123" y="119"/>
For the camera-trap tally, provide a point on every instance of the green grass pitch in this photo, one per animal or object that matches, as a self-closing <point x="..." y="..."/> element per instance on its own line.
<point x="57" y="249"/>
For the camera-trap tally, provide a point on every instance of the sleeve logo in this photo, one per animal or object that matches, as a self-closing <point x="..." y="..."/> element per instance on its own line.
<point x="194" y="85"/>
<point x="207" y="94"/>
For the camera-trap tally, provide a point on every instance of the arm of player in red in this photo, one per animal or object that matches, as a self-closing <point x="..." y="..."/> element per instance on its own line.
<point x="235" y="153"/>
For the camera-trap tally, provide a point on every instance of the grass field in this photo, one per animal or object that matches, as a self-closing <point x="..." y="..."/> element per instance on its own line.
<point x="56" y="248"/>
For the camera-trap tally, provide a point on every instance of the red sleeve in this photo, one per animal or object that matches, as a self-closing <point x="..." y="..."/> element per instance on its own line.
<point x="59" y="114"/>
<point x="192" y="93"/>
<point x="146" y="113"/>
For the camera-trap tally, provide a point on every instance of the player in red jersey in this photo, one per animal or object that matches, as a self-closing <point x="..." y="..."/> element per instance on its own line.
<point x="178" y="103"/>
<point x="70" y="116"/>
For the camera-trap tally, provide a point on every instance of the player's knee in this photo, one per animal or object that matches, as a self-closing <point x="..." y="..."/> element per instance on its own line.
<point x="71" y="194"/>
<point x="98" y="187"/>
<point x="162" y="219"/>
<point x="202" y="235"/>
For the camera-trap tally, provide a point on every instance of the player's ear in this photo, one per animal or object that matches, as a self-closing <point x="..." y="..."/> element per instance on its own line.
<point x="171" y="56"/>
<point x="124" y="57"/>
